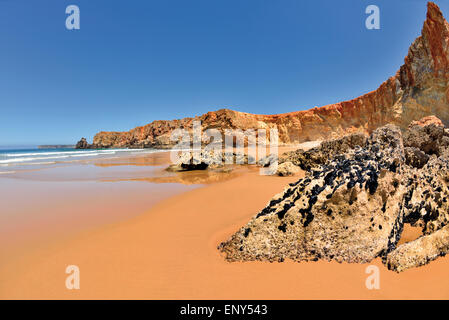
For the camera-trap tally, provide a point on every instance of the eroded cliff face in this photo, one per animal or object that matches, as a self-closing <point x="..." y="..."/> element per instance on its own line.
<point x="419" y="88"/>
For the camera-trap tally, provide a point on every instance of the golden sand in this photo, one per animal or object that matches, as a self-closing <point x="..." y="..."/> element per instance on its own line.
<point x="169" y="252"/>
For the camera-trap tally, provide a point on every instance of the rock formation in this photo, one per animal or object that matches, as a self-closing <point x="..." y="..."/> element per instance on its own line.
<point x="351" y="206"/>
<point x="189" y="161"/>
<point x="420" y="88"/>
<point x="287" y="169"/>
<point x="82" y="144"/>
<point x="306" y="159"/>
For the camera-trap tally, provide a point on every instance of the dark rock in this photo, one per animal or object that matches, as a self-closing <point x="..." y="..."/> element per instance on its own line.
<point x="415" y="157"/>
<point x="82" y="144"/>
<point x="328" y="149"/>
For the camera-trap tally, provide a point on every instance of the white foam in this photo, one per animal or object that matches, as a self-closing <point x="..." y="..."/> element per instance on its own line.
<point x="44" y="153"/>
<point x="31" y="157"/>
<point x="92" y="154"/>
<point x="16" y="160"/>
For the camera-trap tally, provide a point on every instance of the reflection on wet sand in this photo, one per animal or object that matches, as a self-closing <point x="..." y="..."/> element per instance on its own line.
<point x="154" y="159"/>
<point x="195" y="177"/>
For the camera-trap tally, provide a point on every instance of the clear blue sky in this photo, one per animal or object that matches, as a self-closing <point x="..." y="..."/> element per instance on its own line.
<point x="133" y="62"/>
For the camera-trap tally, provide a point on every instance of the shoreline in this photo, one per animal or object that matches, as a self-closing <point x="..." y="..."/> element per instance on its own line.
<point x="170" y="252"/>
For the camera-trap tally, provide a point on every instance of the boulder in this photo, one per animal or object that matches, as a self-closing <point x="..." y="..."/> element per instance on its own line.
<point x="287" y="169"/>
<point x="426" y="201"/>
<point x="420" y="251"/>
<point x="428" y="135"/>
<point x="415" y="157"/>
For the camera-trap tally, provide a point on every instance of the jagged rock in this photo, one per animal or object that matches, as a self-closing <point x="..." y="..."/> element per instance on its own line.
<point x="327" y="149"/>
<point x="82" y="144"/>
<point x="427" y="138"/>
<point x="353" y="207"/>
<point x="420" y="251"/>
<point x="346" y="210"/>
<point x="426" y="202"/>
<point x="287" y="169"/>
<point x="415" y="157"/>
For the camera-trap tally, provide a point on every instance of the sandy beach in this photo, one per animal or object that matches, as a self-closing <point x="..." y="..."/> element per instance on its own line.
<point x="166" y="248"/>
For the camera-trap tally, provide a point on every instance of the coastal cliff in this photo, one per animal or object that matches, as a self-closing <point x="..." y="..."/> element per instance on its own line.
<point x="418" y="89"/>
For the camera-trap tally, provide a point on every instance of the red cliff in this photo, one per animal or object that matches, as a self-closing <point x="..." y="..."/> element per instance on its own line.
<point x="419" y="89"/>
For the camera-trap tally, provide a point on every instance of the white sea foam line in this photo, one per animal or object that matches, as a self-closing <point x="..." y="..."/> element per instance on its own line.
<point x="125" y="150"/>
<point x="45" y="153"/>
<point x="38" y="163"/>
<point x="30" y="159"/>
<point x="144" y="152"/>
<point x="107" y="151"/>
<point x="92" y="154"/>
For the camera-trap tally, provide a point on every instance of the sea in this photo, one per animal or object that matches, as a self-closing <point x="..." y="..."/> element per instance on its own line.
<point x="19" y="158"/>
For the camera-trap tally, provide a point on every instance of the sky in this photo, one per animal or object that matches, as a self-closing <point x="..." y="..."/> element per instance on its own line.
<point x="132" y="62"/>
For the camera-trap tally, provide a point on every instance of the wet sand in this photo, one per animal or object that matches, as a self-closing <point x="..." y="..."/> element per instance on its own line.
<point x="169" y="252"/>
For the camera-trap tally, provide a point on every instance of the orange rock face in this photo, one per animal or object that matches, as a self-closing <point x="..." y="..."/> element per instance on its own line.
<point x="420" y="88"/>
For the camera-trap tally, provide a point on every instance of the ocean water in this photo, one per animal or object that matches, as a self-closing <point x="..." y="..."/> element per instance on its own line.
<point x="19" y="158"/>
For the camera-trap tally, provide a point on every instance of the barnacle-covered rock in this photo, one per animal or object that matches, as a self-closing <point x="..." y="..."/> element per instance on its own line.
<point x="348" y="209"/>
<point x="306" y="159"/>
<point x="420" y="251"/>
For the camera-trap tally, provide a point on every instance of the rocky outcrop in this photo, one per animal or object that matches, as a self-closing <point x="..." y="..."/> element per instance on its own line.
<point x="352" y="206"/>
<point x="420" y="88"/>
<point x="346" y="210"/>
<point x="426" y="202"/>
<point x="82" y="144"/>
<point x="208" y="159"/>
<point x="306" y="159"/>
